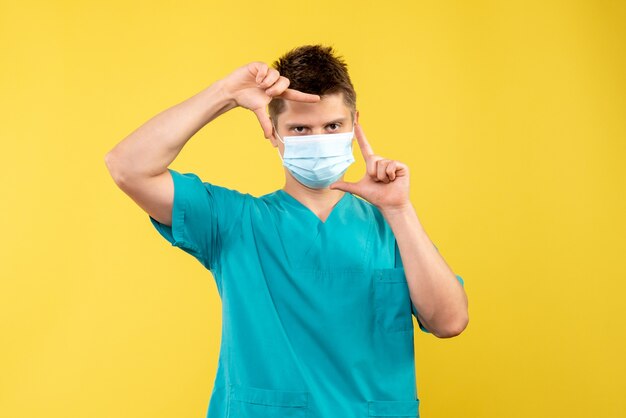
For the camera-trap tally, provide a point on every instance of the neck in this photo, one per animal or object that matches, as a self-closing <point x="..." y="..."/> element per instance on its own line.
<point x="320" y="201"/>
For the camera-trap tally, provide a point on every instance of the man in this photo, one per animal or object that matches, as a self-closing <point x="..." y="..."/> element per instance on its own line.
<point x="318" y="280"/>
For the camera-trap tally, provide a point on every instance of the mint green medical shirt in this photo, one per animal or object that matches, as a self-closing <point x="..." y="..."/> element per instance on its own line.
<point x="316" y="316"/>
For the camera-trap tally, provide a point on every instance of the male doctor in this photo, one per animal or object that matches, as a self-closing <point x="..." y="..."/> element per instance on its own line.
<point x="320" y="279"/>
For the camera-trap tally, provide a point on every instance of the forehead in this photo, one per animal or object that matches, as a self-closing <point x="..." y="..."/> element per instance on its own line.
<point x="330" y="107"/>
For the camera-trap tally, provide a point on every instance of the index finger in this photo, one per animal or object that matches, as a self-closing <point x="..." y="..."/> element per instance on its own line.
<point x="291" y="94"/>
<point x="364" y="146"/>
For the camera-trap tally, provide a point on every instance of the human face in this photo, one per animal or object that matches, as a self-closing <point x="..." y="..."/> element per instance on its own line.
<point x="329" y="115"/>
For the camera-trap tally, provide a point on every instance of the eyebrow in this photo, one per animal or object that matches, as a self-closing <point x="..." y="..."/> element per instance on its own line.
<point x="293" y="125"/>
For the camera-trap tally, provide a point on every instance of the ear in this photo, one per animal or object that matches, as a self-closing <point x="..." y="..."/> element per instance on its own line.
<point x="356" y="117"/>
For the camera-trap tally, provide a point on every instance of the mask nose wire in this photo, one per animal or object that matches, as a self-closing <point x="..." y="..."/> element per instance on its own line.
<point x="280" y="139"/>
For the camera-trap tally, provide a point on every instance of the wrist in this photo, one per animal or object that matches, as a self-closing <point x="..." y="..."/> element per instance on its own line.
<point x="213" y="101"/>
<point x="220" y="90"/>
<point x="399" y="210"/>
<point x="399" y="215"/>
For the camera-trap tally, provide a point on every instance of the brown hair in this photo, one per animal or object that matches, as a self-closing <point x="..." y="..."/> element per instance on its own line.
<point x="314" y="69"/>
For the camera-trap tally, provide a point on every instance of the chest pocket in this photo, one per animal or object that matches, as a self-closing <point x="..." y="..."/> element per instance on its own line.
<point x="392" y="301"/>
<point x="250" y="402"/>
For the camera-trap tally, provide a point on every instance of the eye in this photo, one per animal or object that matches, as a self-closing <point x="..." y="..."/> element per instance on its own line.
<point x="299" y="129"/>
<point x="333" y="126"/>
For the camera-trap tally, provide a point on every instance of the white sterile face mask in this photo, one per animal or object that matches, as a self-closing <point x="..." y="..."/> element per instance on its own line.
<point x="317" y="161"/>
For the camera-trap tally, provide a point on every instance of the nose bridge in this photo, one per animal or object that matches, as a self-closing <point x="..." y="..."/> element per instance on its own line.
<point x="317" y="130"/>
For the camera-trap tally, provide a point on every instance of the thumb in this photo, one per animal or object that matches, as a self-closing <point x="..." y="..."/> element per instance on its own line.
<point x="345" y="186"/>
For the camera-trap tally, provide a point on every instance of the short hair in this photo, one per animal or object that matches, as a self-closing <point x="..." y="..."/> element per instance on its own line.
<point x="314" y="69"/>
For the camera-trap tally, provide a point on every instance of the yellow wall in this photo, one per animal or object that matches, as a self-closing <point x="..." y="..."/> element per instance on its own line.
<point x="511" y="116"/>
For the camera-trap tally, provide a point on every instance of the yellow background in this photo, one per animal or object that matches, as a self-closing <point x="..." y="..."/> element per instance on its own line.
<point x="511" y="116"/>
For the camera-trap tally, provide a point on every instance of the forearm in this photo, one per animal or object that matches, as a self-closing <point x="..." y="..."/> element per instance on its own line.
<point x="436" y="293"/>
<point x="152" y="147"/>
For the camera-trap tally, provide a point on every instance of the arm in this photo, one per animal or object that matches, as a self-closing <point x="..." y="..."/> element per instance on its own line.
<point x="436" y="293"/>
<point x="138" y="164"/>
<point x="439" y="298"/>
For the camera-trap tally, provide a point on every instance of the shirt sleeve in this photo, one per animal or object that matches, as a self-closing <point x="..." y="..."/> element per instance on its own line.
<point x="204" y="215"/>
<point x="413" y="308"/>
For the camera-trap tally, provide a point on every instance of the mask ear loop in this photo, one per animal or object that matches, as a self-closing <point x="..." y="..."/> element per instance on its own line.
<point x="353" y="125"/>
<point x="276" y="130"/>
<point x="280" y="139"/>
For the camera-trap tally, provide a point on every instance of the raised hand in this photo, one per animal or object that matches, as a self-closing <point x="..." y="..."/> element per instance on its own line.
<point x="385" y="183"/>
<point x="254" y="85"/>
